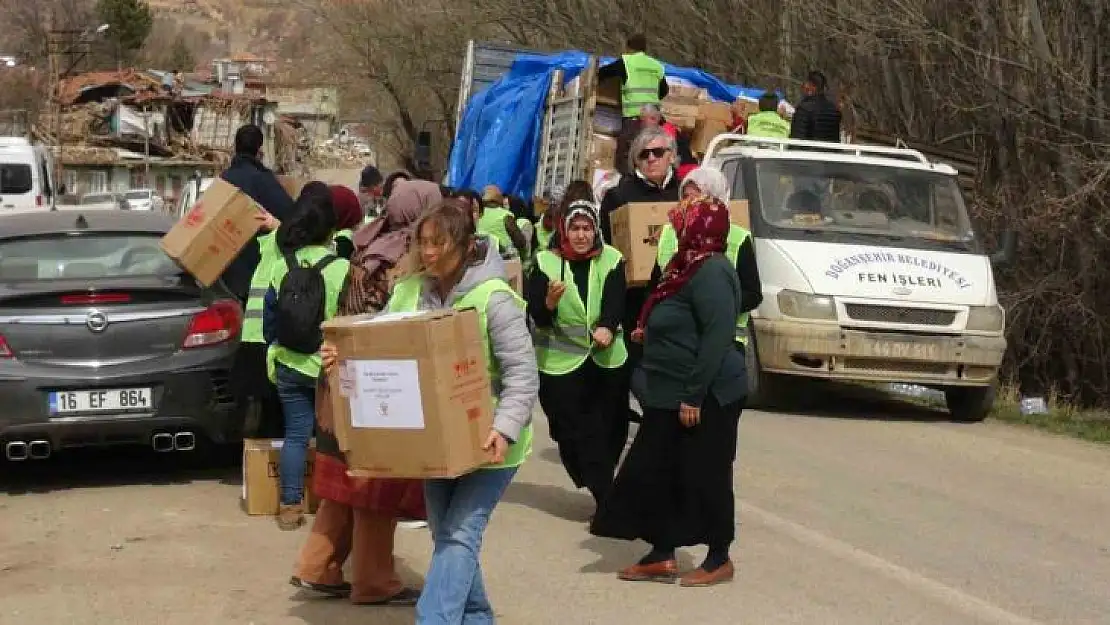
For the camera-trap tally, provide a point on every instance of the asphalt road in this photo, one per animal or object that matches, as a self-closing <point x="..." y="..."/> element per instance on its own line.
<point x="899" y="519"/>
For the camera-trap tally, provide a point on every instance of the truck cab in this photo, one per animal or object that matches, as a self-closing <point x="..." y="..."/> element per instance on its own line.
<point x="871" y="270"/>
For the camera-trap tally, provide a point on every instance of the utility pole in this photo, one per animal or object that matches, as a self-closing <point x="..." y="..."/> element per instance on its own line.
<point x="146" y="148"/>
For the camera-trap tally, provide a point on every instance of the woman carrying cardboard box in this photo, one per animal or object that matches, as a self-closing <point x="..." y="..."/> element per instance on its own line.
<point x="576" y="300"/>
<point x="359" y="517"/>
<point x="461" y="269"/>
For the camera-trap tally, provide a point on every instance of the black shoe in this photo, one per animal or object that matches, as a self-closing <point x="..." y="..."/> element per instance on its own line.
<point x="338" y="591"/>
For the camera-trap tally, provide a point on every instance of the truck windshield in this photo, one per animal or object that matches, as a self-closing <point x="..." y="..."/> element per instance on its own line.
<point x="855" y="202"/>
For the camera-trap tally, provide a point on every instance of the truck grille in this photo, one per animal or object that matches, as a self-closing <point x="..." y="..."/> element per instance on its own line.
<point x="900" y="314"/>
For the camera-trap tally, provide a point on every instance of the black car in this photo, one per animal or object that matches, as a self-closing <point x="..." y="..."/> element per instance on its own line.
<point x="104" y="340"/>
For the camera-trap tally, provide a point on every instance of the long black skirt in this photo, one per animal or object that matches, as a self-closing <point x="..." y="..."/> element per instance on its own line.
<point x="252" y="386"/>
<point x="675" y="486"/>
<point x="588" y="422"/>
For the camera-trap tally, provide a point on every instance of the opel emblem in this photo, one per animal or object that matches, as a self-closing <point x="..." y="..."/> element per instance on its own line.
<point x="96" y="321"/>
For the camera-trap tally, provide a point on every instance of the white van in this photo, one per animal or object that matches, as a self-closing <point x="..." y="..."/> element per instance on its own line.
<point x="192" y="190"/>
<point x="26" y="177"/>
<point x="870" y="270"/>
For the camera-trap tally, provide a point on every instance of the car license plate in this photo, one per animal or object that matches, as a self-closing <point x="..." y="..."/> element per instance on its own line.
<point x="903" y="350"/>
<point x="101" y="400"/>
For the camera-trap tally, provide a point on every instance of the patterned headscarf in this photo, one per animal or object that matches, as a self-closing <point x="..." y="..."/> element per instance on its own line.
<point x="701" y="225"/>
<point x="561" y="240"/>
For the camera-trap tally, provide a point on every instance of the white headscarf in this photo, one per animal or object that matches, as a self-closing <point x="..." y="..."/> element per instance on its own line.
<point x="711" y="182"/>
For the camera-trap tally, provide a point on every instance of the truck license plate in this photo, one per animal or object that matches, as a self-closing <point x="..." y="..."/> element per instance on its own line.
<point x="100" y="401"/>
<point x="902" y="350"/>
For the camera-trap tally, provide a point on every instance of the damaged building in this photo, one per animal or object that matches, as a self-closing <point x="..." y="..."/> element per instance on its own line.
<point x="146" y="129"/>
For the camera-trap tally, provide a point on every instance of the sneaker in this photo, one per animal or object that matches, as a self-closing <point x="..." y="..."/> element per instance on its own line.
<point x="412" y="524"/>
<point x="291" y="517"/>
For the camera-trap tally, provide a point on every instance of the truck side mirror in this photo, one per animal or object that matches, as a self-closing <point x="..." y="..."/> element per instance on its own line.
<point x="1007" y="248"/>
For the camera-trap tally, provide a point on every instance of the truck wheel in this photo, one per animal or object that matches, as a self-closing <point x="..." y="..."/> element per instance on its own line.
<point x="969" y="404"/>
<point x="764" y="389"/>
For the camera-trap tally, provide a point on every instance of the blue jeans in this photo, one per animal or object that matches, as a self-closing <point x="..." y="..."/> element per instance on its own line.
<point x="458" y="512"/>
<point x="298" y="402"/>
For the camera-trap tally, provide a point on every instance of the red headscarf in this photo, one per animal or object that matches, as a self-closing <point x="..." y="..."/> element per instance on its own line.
<point x="701" y="225"/>
<point x="348" y="210"/>
<point x="586" y="210"/>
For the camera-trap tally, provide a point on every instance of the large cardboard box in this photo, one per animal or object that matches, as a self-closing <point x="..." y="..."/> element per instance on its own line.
<point x="208" y="237"/>
<point x="414" y="396"/>
<point x="609" y="92"/>
<point x="515" y="271"/>
<point x="636" y="230"/>
<point x="717" y="111"/>
<point x="704" y="132"/>
<point x="260" y="477"/>
<point x="603" y="152"/>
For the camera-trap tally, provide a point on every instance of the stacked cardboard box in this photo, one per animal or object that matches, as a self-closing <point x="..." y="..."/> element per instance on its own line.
<point x="260" y="494"/>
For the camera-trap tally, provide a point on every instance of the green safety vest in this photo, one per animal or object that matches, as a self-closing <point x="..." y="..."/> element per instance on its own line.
<point x="563" y="348"/>
<point x="260" y="282"/>
<point x="668" y="246"/>
<point x="492" y="223"/>
<point x="406" y="298"/>
<point x="335" y="274"/>
<point x="543" y="236"/>
<point x="642" y="85"/>
<point x="768" y="124"/>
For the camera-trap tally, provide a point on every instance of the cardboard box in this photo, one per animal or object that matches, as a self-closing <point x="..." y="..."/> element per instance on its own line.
<point x="716" y="111"/>
<point x="686" y="91"/>
<point x="609" y="92"/>
<point x="515" y="270"/>
<point x="292" y="185"/>
<point x="704" y="131"/>
<point x="738" y="214"/>
<point x="414" y="397"/>
<point x="260" y="477"/>
<point x="603" y="152"/>
<point x="208" y="237"/>
<point x="636" y="229"/>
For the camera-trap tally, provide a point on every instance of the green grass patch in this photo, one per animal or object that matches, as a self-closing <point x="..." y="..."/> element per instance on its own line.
<point x="1061" y="418"/>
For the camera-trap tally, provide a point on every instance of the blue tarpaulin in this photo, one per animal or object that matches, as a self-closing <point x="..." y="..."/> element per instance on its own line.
<point x="498" y="138"/>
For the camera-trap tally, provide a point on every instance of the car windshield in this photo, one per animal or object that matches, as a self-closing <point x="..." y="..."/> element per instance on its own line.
<point x="15" y="178"/>
<point x="64" y="256"/>
<point x="99" y="198"/>
<point x="864" y="201"/>
<point x="138" y="195"/>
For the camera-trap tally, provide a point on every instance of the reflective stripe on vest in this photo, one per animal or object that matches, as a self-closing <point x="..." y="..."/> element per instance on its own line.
<point x="492" y="223"/>
<point x="334" y="276"/>
<point x="406" y="298"/>
<point x="268" y="254"/>
<point x="668" y="246"/>
<point x="563" y="348"/>
<point x="642" y="85"/>
<point x="768" y="124"/>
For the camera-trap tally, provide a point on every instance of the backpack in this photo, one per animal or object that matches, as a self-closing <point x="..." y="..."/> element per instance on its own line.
<point x="301" y="302"/>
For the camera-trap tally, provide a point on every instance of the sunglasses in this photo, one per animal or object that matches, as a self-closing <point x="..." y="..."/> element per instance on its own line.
<point x="656" y="152"/>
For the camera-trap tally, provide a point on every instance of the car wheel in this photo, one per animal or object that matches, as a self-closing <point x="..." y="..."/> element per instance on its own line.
<point x="970" y="404"/>
<point x="764" y="389"/>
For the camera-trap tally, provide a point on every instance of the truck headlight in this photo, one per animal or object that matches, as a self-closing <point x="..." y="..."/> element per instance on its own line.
<point x="806" y="305"/>
<point x="986" y="318"/>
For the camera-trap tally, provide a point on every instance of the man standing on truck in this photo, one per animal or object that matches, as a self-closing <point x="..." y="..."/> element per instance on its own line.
<point x="767" y="122"/>
<point x="817" y="118"/>
<point x="642" y="82"/>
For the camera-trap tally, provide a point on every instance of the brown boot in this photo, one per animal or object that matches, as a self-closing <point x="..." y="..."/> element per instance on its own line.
<point x="701" y="578"/>
<point x="291" y="517"/>
<point x="664" y="572"/>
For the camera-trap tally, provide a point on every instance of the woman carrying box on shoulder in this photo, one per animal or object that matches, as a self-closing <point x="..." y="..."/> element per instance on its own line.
<point x="359" y="517"/>
<point x="459" y="269"/>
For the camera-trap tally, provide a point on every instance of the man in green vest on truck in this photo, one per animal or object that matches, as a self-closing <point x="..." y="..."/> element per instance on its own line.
<point x="642" y="82"/>
<point x="767" y="122"/>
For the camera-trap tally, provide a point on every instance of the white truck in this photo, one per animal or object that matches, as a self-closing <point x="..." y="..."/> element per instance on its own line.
<point x="871" y="270"/>
<point x="26" y="177"/>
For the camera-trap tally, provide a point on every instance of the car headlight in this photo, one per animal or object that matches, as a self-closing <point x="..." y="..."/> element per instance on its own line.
<point x="986" y="318"/>
<point x="807" y="305"/>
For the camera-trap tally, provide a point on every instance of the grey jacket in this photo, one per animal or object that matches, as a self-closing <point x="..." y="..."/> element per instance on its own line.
<point x="509" y="339"/>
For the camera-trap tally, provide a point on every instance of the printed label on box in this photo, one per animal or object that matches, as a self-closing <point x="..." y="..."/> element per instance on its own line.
<point x="386" y="394"/>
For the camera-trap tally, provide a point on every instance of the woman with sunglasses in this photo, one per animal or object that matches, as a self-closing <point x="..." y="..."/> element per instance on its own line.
<point x="651" y="160"/>
<point x="576" y="300"/>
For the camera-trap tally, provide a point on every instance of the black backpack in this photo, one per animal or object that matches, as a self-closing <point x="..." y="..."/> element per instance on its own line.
<point x="301" y="302"/>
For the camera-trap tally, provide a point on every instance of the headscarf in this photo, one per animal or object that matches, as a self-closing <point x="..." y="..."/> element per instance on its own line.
<point x="561" y="240"/>
<point x="386" y="239"/>
<point x="348" y="210"/>
<point x="702" y="226"/>
<point x="710" y="180"/>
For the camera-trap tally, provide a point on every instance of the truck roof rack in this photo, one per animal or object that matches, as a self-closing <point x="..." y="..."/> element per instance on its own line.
<point x="782" y="145"/>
